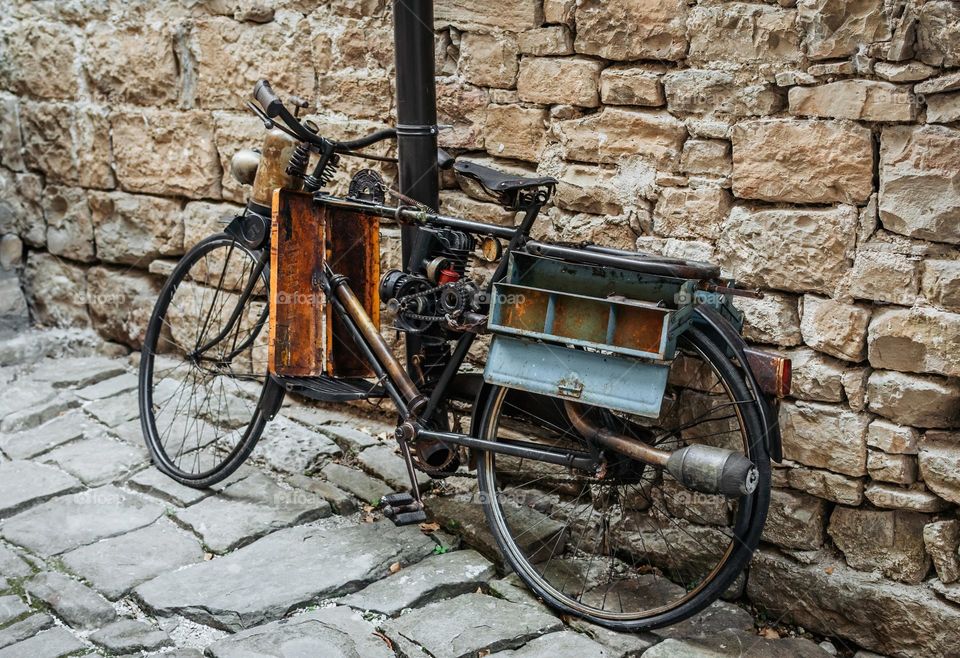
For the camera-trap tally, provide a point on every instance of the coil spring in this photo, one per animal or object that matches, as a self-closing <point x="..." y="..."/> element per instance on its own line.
<point x="299" y="159"/>
<point x="314" y="183"/>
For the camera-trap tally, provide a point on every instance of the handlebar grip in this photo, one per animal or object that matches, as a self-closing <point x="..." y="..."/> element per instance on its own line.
<point x="268" y="100"/>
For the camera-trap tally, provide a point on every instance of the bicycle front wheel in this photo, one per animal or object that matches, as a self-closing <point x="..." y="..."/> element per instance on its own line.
<point x="203" y="365"/>
<point x="628" y="547"/>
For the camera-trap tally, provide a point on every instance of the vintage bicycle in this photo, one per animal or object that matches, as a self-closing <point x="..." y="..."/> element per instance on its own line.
<point x="620" y="433"/>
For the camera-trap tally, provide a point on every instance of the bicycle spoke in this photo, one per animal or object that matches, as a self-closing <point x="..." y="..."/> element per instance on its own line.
<point x="203" y="412"/>
<point x="629" y="541"/>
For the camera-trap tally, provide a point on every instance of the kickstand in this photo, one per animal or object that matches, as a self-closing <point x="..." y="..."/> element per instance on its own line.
<point x="405" y="508"/>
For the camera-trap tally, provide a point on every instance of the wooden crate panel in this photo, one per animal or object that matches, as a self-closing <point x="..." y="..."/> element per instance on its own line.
<point x="297" y="318"/>
<point x="353" y="250"/>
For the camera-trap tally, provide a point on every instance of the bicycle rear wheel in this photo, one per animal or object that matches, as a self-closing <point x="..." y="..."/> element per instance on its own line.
<point x="629" y="547"/>
<point x="203" y="365"/>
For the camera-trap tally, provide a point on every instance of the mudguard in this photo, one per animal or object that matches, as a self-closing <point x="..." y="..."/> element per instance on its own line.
<point x="714" y="323"/>
<point x="271" y="397"/>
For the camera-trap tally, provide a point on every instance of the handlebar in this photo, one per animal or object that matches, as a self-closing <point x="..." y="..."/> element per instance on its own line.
<point x="268" y="100"/>
<point x="274" y="108"/>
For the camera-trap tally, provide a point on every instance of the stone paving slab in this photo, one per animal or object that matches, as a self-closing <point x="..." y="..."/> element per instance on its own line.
<point x="37" y="414"/>
<point x="115" y="566"/>
<point x="34" y="344"/>
<point x="109" y="387"/>
<point x="467" y="519"/>
<point x="382" y="461"/>
<point x="436" y="577"/>
<point x="129" y="636"/>
<point x="96" y="460"/>
<point x="23" y="394"/>
<point x="719" y="616"/>
<point x="179" y="653"/>
<point x="262" y="489"/>
<point x="564" y="643"/>
<point x="618" y="645"/>
<point x="151" y="481"/>
<point x="131" y="433"/>
<point x="24" y="484"/>
<point x="349" y="439"/>
<point x="128" y="431"/>
<point x="285" y="570"/>
<point x="291" y="448"/>
<point x="315" y="417"/>
<point x="114" y="411"/>
<point x="67" y="522"/>
<point x="72" y="601"/>
<point x="76" y="372"/>
<point x="69" y="426"/>
<point x="53" y="643"/>
<point x="330" y="632"/>
<point x="12" y="565"/>
<point x="511" y="589"/>
<point x="249" y="509"/>
<point x="361" y="485"/>
<point x="341" y="502"/>
<point x="25" y="628"/>
<point x="225" y="524"/>
<point x="11" y="607"/>
<point x="471" y="623"/>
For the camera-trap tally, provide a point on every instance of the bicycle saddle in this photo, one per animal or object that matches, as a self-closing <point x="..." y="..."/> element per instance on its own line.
<point x="504" y="187"/>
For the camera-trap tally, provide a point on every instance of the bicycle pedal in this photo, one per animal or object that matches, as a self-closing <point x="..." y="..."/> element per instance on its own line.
<point x="409" y="518"/>
<point x="396" y="499"/>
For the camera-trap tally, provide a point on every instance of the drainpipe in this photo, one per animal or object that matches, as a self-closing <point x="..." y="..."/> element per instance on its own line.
<point x="416" y="118"/>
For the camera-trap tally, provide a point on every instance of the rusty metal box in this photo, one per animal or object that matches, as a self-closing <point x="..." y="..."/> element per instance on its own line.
<point x="584" y="305"/>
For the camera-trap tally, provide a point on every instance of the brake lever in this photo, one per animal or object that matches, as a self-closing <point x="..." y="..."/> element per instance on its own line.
<point x="267" y="121"/>
<point x="270" y="123"/>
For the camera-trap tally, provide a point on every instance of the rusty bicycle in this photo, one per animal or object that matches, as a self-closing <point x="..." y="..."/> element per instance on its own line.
<point x="621" y="431"/>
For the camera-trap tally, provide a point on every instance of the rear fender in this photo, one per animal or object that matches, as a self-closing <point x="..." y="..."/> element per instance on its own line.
<point x="723" y="332"/>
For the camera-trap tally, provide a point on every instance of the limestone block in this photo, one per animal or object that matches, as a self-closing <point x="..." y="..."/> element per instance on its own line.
<point x="802" y="161"/>
<point x="917" y="400"/>
<point x="632" y="30"/>
<point x="552" y="80"/>
<point x="490" y="60"/>
<point x="799" y="250"/>
<point x="835" y="328"/>
<point x="166" y="152"/>
<point x="918" y="197"/>
<point x="825" y="436"/>
<point x="915" y="340"/>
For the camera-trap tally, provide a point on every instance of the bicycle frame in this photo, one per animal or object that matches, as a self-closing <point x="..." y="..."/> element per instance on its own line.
<point x="416" y="410"/>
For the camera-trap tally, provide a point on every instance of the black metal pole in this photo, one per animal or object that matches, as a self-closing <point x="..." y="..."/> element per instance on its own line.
<point x="416" y="120"/>
<point x="416" y="104"/>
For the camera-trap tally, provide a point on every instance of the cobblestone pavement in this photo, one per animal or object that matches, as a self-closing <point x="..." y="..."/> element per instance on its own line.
<point x="101" y="554"/>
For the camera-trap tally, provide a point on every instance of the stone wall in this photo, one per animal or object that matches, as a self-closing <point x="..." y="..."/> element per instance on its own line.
<point x="812" y="148"/>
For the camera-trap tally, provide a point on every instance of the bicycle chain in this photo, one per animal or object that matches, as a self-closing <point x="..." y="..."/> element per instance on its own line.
<point x="403" y="301"/>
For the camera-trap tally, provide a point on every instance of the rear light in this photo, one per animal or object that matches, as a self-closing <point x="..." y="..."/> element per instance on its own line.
<point x="773" y="371"/>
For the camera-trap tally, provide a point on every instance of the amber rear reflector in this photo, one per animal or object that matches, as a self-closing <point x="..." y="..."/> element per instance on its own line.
<point x="773" y="371"/>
